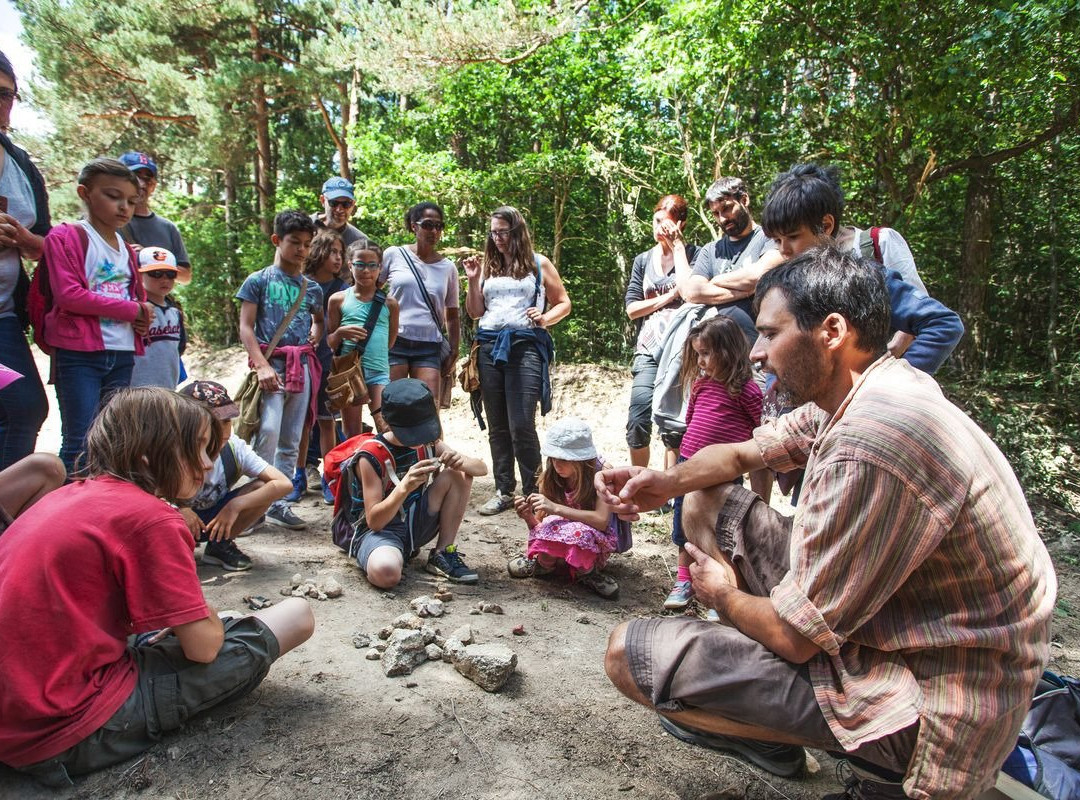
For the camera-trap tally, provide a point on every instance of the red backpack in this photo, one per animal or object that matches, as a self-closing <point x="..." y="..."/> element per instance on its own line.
<point x="39" y="300"/>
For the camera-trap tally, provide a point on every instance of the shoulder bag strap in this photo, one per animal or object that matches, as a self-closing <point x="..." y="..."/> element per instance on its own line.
<point x="536" y="292"/>
<point x="288" y="318"/>
<point x="423" y="289"/>
<point x="377" y="303"/>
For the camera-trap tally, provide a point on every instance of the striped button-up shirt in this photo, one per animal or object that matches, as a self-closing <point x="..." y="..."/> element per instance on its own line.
<point x="917" y="569"/>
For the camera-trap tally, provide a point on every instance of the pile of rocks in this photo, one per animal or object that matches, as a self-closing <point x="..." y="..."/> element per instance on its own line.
<point x="326" y="588"/>
<point x="411" y="640"/>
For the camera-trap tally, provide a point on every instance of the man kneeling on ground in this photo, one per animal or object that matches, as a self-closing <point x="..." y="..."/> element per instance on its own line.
<point x="902" y="619"/>
<point x="409" y="489"/>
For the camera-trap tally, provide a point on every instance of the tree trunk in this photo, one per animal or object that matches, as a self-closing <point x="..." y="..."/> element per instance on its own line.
<point x="232" y="259"/>
<point x="975" y="266"/>
<point x="263" y="158"/>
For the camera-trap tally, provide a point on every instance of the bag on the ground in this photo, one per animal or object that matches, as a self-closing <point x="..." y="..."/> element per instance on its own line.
<point x="1047" y="753"/>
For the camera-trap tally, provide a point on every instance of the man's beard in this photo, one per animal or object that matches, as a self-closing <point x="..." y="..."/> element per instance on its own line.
<point x="737" y="224"/>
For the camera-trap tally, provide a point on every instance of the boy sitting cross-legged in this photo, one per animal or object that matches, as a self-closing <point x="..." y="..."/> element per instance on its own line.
<point x="406" y="488"/>
<point x="219" y="512"/>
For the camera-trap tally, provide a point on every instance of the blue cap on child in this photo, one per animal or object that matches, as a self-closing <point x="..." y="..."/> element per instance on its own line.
<point x="134" y="161"/>
<point x="569" y="439"/>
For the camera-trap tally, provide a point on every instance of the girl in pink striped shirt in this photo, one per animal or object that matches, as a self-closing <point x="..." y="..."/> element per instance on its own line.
<point x="724" y="407"/>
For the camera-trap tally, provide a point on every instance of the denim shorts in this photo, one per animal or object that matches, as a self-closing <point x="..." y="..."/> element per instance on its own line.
<point x="413" y="353"/>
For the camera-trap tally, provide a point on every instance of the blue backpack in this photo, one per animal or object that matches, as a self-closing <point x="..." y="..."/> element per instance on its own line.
<point x="1047" y="753"/>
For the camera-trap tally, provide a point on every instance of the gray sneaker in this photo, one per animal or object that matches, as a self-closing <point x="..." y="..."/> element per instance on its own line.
<point x="282" y="515"/>
<point x="496" y="505"/>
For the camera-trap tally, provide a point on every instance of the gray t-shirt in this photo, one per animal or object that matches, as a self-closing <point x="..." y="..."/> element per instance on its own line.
<point x="440" y="282"/>
<point x="15" y="186"/>
<point x="273" y="293"/>
<point x="159" y="365"/>
<point x="349" y="234"/>
<point x="725" y="255"/>
<point x="155" y="231"/>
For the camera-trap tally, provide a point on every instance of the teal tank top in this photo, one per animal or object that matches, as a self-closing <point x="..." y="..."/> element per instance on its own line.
<point x="376" y="358"/>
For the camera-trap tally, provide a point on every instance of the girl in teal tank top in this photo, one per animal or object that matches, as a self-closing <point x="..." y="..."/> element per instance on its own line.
<point x="347" y="315"/>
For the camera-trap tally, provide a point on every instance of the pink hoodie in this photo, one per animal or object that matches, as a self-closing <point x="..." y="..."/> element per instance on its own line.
<point x="72" y="322"/>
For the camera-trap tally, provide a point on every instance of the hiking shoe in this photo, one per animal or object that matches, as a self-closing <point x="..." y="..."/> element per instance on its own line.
<point x="449" y="564"/>
<point x="525" y="567"/>
<point x="314" y="477"/>
<point x="299" y="486"/>
<point x="496" y="505"/>
<point x="603" y="585"/>
<point x="859" y="786"/>
<point x="327" y="495"/>
<point x="226" y="555"/>
<point x="784" y="760"/>
<point x="679" y="596"/>
<point x="282" y="515"/>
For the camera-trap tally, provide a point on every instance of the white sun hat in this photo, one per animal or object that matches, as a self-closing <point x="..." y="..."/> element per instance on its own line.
<point x="569" y="439"/>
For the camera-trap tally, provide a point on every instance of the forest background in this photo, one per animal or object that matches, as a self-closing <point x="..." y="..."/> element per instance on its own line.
<point x="955" y="122"/>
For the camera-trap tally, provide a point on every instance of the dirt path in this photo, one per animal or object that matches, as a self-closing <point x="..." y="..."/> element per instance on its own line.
<point x="327" y="724"/>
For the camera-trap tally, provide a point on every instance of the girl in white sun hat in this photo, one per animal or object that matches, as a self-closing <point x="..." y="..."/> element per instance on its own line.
<point x="568" y="524"/>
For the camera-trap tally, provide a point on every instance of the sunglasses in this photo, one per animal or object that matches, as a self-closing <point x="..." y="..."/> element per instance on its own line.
<point x="160" y="273"/>
<point x="365" y="264"/>
<point x="8" y="96"/>
<point x="342" y="203"/>
<point x="430" y="225"/>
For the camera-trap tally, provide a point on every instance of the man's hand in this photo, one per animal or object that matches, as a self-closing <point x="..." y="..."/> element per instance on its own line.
<point x="268" y="378"/>
<point x="632" y="490"/>
<point x="709" y="576"/>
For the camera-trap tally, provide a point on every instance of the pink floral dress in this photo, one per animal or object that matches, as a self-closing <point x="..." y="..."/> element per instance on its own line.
<point x="581" y="546"/>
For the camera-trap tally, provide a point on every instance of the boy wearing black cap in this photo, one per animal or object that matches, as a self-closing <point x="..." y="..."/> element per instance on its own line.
<point x="418" y="497"/>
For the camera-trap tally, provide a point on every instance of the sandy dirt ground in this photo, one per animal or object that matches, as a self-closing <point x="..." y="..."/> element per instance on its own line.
<point x="328" y="724"/>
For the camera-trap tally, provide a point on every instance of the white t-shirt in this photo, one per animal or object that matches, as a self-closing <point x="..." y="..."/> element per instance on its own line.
<point x="248" y="464"/>
<point x="440" y="282"/>
<point x="108" y="273"/>
<point x="895" y="254"/>
<point x="505" y="301"/>
<point x="15" y="186"/>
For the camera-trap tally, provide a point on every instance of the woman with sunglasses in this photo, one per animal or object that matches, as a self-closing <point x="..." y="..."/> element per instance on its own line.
<point x="24" y="221"/>
<point x="516" y="294"/>
<point x="425" y="284"/>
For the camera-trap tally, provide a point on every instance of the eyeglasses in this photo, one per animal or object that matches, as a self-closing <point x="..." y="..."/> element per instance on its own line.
<point x="7" y="97"/>
<point x="161" y="273"/>
<point x="365" y="264"/>
<point x="503" y="233"/>
<point x="342" y="203"/>
<point x="431" y="225"/>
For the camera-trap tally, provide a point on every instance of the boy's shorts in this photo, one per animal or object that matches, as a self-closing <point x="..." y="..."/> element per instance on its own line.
<point x="419" y="521"/>
<point x="208" y="514"/>
<point x="169" y="690"/>
<point x="413" y="353"/>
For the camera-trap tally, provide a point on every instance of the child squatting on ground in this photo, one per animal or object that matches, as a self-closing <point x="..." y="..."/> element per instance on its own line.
<point x="406" y="488"/>
<point x="724" y="407"/>
<point x="219" y="513"/>
<point x="101" y="559"/>
<point x="568" y="524"/>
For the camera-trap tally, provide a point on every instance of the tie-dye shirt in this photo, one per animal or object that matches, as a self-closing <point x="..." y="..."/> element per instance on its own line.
<point x="108" y="273"/>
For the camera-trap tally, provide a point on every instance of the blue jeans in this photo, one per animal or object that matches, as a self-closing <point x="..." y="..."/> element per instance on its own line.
<point x="84" y="382"/>
<point x="511" y="393"/>
<point x="23" y="404"/>
<point x="281" y="424"/>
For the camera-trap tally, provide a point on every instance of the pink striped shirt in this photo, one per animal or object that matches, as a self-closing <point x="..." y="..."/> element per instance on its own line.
<point x="917" y="568"/>
<point x="715" y="417"/>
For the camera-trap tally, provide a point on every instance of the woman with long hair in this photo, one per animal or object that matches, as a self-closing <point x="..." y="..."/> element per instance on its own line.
<point x="516" y="294"/>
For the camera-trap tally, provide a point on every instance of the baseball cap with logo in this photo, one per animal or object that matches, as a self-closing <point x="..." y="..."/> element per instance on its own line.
<point x="134" y="161"/>
<point x="337" y="187"/>
<point x="155" y="258"/>
<point x="213" y="395"/>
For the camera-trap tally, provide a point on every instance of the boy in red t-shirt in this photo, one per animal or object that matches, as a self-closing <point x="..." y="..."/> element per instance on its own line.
<point x="104" y="558"/>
